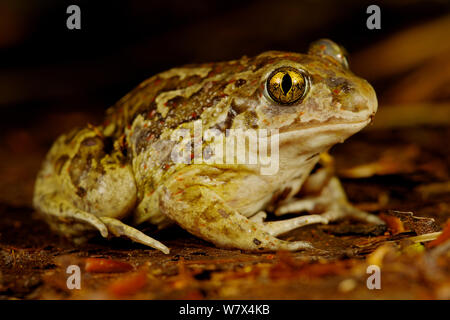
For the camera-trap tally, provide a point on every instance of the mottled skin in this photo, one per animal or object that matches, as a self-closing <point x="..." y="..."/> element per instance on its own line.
<point x="94" y="177"/>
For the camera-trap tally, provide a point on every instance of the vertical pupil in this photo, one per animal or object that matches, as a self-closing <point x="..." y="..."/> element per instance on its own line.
<point x="286" y="83"/>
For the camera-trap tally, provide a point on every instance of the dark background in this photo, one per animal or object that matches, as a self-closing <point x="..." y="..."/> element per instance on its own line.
<point x="46" y="68"/>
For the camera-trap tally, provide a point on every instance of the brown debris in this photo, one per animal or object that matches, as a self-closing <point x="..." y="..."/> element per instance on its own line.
<point x="401" y="222"/>
<point x="287" y="267"/>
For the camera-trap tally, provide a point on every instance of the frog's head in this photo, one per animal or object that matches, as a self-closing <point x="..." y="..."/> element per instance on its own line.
<point x="313" y="99"/>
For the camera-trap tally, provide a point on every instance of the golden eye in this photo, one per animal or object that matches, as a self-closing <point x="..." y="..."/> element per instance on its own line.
<point x="286" y="85"/>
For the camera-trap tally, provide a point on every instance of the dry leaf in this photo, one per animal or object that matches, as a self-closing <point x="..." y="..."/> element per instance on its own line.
<point x="97" y="265"/>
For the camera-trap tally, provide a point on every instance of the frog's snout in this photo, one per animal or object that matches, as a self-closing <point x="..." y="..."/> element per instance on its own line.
<point x="372" y="102"/>
<point x="371" y="99"/>
<point x="363" y="101"/>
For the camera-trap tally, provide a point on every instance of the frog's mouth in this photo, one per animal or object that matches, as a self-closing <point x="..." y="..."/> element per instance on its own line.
<point x="324" y="134"/>
<point x="331" y="124"/>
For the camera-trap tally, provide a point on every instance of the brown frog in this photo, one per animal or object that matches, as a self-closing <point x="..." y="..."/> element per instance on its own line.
<point x="134" y="166"/>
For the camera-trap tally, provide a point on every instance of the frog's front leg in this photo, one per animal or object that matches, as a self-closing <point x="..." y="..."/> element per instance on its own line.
<point x="330" y="200"/>
<point x="201" y="211"/>
<point x="83" y="186"/>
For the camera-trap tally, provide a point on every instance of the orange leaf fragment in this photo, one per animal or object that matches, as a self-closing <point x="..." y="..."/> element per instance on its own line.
<point x="394" y="224"/>
<point x="128" y="285"/>
<point x="106" y="265"/>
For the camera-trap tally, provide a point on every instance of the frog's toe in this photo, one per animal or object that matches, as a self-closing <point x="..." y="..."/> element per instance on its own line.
<point x="346" y="210"/>
<point x="333" y="204"/>
<point x="299" y="205"/>
<point x="276" y="228"/>
<point x="279" y="227"/>
<point x="294" y="245"/>
<point x="118" y="228"/>
<point x="259" y="217"/>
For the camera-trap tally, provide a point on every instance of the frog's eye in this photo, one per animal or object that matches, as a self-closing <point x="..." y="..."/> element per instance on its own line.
<point x="286" y="85"/>
<point x="328" y="49"/>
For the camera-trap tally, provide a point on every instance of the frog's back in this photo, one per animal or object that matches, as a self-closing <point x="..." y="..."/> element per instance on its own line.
<point x="179" y="95"/>
<point x="167" y="99"/>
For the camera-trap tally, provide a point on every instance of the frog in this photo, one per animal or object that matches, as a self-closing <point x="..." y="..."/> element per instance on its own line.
<point x="117" y="176"/>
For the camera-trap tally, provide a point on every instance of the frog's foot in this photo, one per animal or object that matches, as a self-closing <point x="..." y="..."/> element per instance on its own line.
<point x="66" y="218"/>
<point x="211" y="219"/>
<point x="333" y="203"/>
<point x="81" y="188"/>
<point x="75" y="223"/>
<point x="118" y="228"/>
